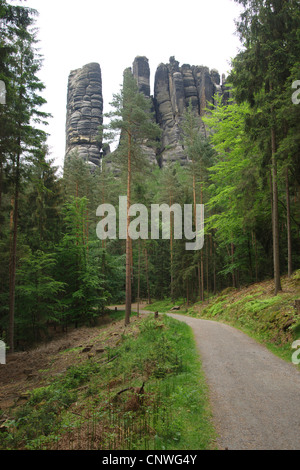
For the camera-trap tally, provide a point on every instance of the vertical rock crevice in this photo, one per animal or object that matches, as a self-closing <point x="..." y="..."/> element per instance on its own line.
<point x="174" y="87"/>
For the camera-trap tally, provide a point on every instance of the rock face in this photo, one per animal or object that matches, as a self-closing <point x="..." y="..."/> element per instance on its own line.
<point x="84" y="112"/>
<point x="175" y="86"/>
<point x="141" y="72"/>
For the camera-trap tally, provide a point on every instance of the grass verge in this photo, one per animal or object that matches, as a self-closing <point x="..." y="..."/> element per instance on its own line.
<point x="165" y="305"/>
<point x="270" y="320"/>
<point x="146" y="393"/>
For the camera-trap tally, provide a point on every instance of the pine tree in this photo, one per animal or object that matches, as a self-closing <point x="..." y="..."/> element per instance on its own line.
<point x="131" y="120"/>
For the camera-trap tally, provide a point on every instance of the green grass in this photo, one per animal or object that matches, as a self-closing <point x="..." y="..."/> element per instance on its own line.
<point x="270" y="320"/>
<point x="119" y="315"/>
<point x="165" y="305"/>
<point x="83" y="410"/>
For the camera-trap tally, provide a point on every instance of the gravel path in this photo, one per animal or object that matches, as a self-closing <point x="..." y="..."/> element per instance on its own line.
<point x="255" y="396"/>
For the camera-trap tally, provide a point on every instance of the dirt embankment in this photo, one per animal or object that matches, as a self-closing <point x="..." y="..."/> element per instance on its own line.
<point x="27" y="370"/>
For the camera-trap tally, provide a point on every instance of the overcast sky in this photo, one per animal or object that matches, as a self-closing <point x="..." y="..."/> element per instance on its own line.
<point x="73" y="33"/>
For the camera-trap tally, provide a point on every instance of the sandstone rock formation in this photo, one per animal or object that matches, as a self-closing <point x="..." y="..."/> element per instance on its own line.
<point x="141" y="72"/>
<point x="174" y="87"/>
<point x="84" y="112"/>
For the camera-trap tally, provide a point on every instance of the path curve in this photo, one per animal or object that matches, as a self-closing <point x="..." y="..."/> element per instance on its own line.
<point x="255" y="396"/>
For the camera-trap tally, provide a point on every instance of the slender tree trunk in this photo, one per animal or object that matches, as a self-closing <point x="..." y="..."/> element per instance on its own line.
<point x="215" y="275"/>
<point x="187" y="293"/>
<point x="207" y="276"/>
<point x="275" y="224"/>
<point x="288" y="217"/>
<point x="233" y="270"/>
<point x="201" y="256"/>
<point x="1" y="179"/>
<point x="147" y="276"/>
<point x="255" y="254"/>
<point x="199" y="281"/>
<point x="250" y="257"/>
<point x="171" y="249"/>
<point x="200" y="277"/>
<point x="139" y="274"/>
<point x="87" y="225"/>
<point x="128" y="244"/>
<point x="13" y="258"/>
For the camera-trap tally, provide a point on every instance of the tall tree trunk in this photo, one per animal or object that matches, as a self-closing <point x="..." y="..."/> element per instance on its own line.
<point x="187" y="293"/>
<point x="233" y="270"/>
<point x="139" y="274"/>
<point x="171" y="249"/>
<point x="275" y="224"/>
<point x="1" y="179"/>
<point x="207" y="276"/>
<point x="147" y="276"/>
<point x="199" y="281"/>
<point x="254" y="241"/>
<point x="215" y="274"/>
<point x="87" y="229"/>
<point x="201" y="257"/>
<point x="288" y="217"/>
<point x="128" y="244"/>
<point x="13" y="257"/>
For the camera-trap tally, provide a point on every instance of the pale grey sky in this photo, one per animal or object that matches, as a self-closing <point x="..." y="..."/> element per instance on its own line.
<point x="73" y="33"/>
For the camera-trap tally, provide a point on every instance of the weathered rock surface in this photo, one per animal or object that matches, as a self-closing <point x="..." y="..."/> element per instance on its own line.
<point x="175" y="86"/>
<point x="84" y="112"/>
<point x="141" y="72"/>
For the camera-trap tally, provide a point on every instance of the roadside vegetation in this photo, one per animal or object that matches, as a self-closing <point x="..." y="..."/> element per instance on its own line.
<point x="144" y="391"/>
<point x="271" y="320"/>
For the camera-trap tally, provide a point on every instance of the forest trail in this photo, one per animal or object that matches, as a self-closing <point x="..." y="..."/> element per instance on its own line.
<point x="255" y="396"/>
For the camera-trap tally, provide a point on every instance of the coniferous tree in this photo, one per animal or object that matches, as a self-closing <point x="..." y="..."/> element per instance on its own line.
<point x="22" y="113"/>
<point x="269" y="31"/>
<point x="132" y="120"/>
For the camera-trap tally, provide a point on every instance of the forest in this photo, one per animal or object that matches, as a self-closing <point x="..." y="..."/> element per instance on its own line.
<point x="55" y="272"/>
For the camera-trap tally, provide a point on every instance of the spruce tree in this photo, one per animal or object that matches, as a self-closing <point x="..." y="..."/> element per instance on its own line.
<point x="20" y="139"/>
<point x="269" y="32"/>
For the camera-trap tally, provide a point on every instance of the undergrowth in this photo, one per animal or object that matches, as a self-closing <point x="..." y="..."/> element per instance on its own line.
<point x="148" y="393"/>
<point x="272" y="320"/>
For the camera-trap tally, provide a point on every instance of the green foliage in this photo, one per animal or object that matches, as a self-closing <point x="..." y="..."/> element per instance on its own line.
<point x="132" y="122"/>
<point x="37" y="295"/>
<point x="174" y="413"/>
<point x="271" y="319"/>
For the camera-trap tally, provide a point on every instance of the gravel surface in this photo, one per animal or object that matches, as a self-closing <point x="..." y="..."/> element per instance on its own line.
<point x="255" y="396"/>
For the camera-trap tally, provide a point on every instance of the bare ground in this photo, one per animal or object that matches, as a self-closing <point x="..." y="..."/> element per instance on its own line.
<point x="27" y="370"/>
